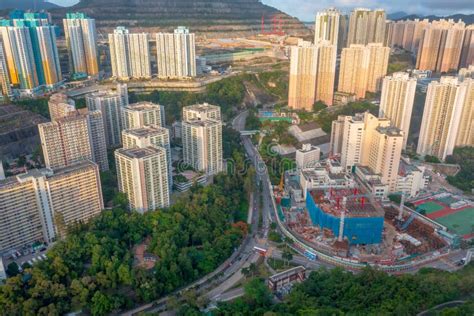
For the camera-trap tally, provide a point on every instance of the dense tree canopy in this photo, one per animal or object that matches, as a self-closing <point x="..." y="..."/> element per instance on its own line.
<point x="464" y="156"/>
<point x="371" y="292"/>
<point x="326" y="116"/>
<point x="227" y="93"/>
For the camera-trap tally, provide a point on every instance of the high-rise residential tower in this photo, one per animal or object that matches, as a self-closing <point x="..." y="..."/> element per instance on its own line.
<point x="77" y="137"/>
<point x="143" y="176"/>
<point x="60" y="105"/>
<point x="354" y="70"/>
<point x="110" y="104"/>
<point x="5" y="85"/>
<point x="19" y="56"/>
<point x="65" y="141"/>
<point x="39" y="206"/>
<point x="452" y="48"/>
<point x="366" y="26"/>
<point x="312" y="74"/>
<point x="81" y="41"/>
<point x="130" y="54"/>
<point x="467" y="53"/>
<point x="63" y="114"/>
<point x="31" y="52"/>
<point x="465" y="134"/>
<point x="326" y="73"/>
<point x="396" y="104"/>
<point x="366" y="140"/>
<point x="303" y="70"/>
<point x="146" y="136"/>
<point x="143" y="114"/>
<point x="327" y="26"/>
<point x="176" y="54"/>
<point x="378" y="66"/>
<point x="447" y="117"/>
<point x="202" y="145"/>
<point x="202" y="111"/>
<point x="441" y="46"/>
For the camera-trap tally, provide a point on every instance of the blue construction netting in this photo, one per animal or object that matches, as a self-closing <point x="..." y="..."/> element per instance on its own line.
<point x="358" y="230"/>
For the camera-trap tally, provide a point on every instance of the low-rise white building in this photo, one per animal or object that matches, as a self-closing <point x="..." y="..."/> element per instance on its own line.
<point x="371" y="182"/>
<point x="307" y="156"/>
<point x="411" y="179"/>
<point x="325" y="175"/>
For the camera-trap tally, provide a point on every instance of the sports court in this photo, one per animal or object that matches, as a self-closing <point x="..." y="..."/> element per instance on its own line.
<point x="430" y="207"/>
<point x="460" y="222"/>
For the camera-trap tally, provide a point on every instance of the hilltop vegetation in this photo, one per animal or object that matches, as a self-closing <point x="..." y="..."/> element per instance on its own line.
<point x="209" y="17"/>
<point x="228" y="93"/>
<point x="371" y="292"/>
<point x="464" y="180"/>
<point x="326" y="116"/>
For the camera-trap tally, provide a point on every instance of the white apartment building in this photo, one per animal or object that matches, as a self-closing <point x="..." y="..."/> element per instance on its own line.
<point x="307" y="156"/>
<point x="411" y="178"/>
<point x="143" y="114"/>
<point x="327" y="26"/>
<point x="176" y="54"/>
<point x="202" y="112"/>
<point x="130" y="54"/>
<point x="447" y="117"/>
<point x="396" y="104"/>
<point x="110" y="103"/>
<point x="39" y="205"/>
<point x="366" y="26"/>
<point x="150" y="136"/>
<point x="60" y="106"/>
<point x="202" y="145"/>
<point x="65" y="117"/>
<point x="368" y="141"/>
<point x="142" y="175"/>
<point x="81" y="41"/>
<point x="65" y="141"/>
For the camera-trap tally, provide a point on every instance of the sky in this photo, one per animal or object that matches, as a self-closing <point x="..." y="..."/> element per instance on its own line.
<point x="305" y="9"/>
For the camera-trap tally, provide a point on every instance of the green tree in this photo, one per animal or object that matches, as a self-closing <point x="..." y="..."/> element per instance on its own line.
<point x="12" y="269"/>
<point x="101" y="304"/>
<point x="257" y="294"/>
<point x="287" y="256"/>
<point x="432" y="159"/>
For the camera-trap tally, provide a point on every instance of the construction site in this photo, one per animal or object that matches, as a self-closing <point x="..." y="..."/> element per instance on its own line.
<point x="350" y="223"/>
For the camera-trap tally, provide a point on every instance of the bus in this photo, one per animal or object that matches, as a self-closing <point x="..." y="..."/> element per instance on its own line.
<point x="261" y="251"/>
<point x="311" y="256"/>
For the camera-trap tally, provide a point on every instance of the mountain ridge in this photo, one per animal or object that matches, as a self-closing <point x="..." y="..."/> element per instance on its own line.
<point x="27" y="5"/>
<point x="207" y="17"/>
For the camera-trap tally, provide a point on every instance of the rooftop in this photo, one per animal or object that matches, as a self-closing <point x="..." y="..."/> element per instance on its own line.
<point x="146" y="131"/>
<point x="197" y="122"/>
<point x="406" y="168"/>
<point x="140" y="106"/>
<point x="390" y="131"/>
<point x="139" y="153"/>
<point x="85" y="164"/>
<point x="203" y="107"/>
<point x="103" y="94"/>
<point x="38" y="173"/>
<point x="285" y="274"/>
<point x="354" y="202"/>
